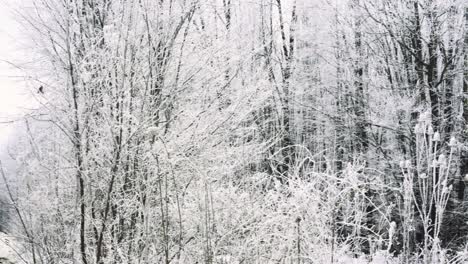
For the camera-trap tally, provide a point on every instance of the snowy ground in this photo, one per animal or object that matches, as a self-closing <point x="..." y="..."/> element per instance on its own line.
<point x="7" y="255"/>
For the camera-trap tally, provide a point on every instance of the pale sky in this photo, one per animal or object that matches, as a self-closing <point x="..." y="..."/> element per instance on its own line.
<point x="13" y="93"/>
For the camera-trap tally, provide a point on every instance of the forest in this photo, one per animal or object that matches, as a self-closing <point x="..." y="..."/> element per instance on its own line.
<point x="241" y="131"/>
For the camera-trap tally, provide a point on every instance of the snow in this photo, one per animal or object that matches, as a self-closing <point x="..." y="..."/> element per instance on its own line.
<point x="7" y="255"/>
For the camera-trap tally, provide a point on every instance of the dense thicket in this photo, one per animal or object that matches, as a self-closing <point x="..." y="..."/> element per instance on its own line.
<point x="232" y="131"/>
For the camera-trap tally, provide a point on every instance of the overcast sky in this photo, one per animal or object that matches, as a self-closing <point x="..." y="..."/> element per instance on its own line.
<point x="13" y="93"/>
